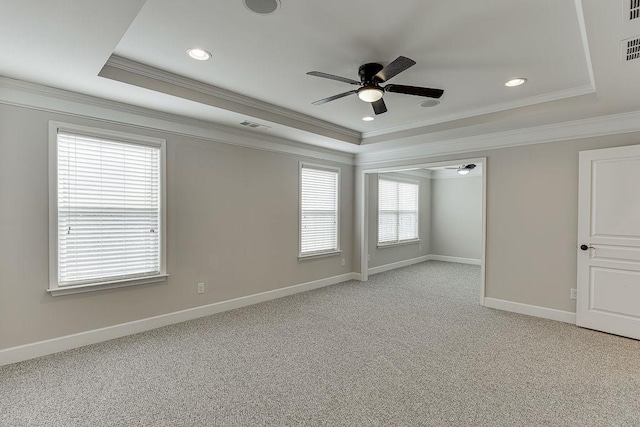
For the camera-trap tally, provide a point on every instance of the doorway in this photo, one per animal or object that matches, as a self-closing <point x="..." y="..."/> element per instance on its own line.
<point x="393" y="237"/>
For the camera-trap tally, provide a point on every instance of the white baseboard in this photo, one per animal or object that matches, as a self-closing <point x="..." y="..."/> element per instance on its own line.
<point x="68" y="342"/>
<point x="460" y="260"/>
<point x="398" y="264"/>
<point x="531" y="310"/>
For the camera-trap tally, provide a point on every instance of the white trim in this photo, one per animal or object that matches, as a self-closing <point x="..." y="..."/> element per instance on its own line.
<point x="146" y="71"/>
<point x="585" y="41"/>
<point x="68" y="342"/>
<point x="55" y="127"/>
<point x="578" y="129"/>
<point x="361" y="208"/>
<point x="43" y="98"/>
<point x="90" y="287"/>
<point x="531" y="310"/>
<point x="489" y="109"/>
<point x="399" y="264"/>
<point x="330" y="252"/>
<point x="459" y="260"/>
<point x="397" y="243"/>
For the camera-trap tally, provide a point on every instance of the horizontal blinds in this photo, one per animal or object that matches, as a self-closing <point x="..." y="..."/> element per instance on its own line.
<point x="108" y="209"/>
<point x="319" y="210"/>
<point x="397" y="211"/>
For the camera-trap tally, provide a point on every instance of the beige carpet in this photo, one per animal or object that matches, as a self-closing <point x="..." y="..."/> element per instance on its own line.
<point x="409" y="348"/>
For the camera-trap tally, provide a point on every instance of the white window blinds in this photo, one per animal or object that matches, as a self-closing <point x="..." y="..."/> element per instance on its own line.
<point x="108" y="211"/>
<point x="318" y="210"/>
<point x="397" y="211"/>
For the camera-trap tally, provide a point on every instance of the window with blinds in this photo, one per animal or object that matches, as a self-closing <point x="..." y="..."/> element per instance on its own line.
<point x="397" y="211"/>
<point x="318" y="209"/>
<point x="109" y="215"/>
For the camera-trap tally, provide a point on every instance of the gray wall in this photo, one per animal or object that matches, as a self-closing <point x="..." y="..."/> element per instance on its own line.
<point x="456" y="217"/>
<point x="232" y="223"/>
<point x="391" y="254"/>
<point x="532" y="218"/>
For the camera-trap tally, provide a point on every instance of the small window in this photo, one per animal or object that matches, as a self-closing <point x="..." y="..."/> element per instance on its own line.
<point x="397" y="211"/>
<point x="107" y="209"/>
<point x="319" y="224"/>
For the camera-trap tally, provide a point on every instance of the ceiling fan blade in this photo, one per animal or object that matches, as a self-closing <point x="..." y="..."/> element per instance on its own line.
<point x="379" y="106"/>
<point x="415" y="90"/>
<point x="334" y="97"/>
<point x="400" y="64"/>
<point x="332" y="77"/>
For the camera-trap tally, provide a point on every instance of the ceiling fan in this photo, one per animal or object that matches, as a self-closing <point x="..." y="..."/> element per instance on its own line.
<point x="463" y="169"/>
<point x="371" y="75"/>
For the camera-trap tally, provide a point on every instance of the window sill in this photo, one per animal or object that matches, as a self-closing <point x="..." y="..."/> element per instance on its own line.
<point x="401" y="243"/>
<point x="318" y="255"/>
<point x="89" y="287"/>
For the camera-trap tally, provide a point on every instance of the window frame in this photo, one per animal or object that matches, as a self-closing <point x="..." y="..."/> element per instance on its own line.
<point x="54" y="128"/>
<point x="318" y="254"/>
<point x="404" y="241"/>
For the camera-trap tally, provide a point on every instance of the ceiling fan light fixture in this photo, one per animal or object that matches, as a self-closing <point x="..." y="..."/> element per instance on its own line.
<point x="370" y="94"/>
<point x="516" y="82"/>
<point x="368" y="119"/>
<point x="199" y="54"/>
<point x="465" y="169"/>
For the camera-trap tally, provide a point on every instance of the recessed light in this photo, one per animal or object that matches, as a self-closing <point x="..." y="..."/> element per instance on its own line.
<point x="367" y="119"/>
<point x="262" y="7"/>
<point x="429" y="103"/>
<point x="516" y="82"/>
<point x="199" y="54"/>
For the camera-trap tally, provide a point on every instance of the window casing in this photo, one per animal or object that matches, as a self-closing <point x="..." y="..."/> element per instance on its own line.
<point x="107" y="209"/>
<point x="319" y="210"/>
<point x="398" y="211"/>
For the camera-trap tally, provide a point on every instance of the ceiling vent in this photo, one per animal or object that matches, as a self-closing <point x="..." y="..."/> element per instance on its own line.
<point x="253" y="125"/>
<point x="632" y="9"/>
<point x="630" y="49"/>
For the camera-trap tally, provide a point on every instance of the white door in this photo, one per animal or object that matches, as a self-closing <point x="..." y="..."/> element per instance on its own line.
<point x="609" y="241"/>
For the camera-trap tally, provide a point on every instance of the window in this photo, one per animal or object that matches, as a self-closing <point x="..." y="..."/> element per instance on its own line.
<point x="397" y="211"/>
<point x="107" y="209"/>
<point x="319" y="225"/>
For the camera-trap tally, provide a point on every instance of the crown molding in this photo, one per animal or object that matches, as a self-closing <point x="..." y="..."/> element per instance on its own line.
<point x="44" y="98"/>
<point x="276" y="114"/>
<point x="396" y="132"/>
<point x="585" y="128"/>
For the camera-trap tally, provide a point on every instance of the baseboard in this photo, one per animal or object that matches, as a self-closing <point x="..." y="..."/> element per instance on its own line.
<point x="531" y="310"/>
<point x="68" y="342"/>
<point x="460" y="260"/>
<point x="398" y="264"/>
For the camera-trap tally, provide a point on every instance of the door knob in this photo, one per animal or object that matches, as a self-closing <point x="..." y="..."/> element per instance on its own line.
<point x="584" y="247"/>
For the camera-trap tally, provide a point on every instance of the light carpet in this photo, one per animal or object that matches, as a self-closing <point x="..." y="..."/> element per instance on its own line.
<point x="411" y="347"/>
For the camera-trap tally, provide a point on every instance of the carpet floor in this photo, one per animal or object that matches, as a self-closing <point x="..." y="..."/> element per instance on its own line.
<point x="411" y="347"/>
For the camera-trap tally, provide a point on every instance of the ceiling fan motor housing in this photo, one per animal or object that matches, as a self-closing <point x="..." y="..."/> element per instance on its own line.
<point x="367" y="73"/>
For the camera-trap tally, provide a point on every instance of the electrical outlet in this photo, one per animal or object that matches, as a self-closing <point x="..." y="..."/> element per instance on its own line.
<point x="574" y="293"/>
<point x="343" y="261"/>
<point x="201" y="288"/>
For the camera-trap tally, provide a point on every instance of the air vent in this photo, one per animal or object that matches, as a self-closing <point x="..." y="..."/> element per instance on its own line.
<point x="630" y="49"/>
<point x="253" y="125"/>
<point x="634" y="9"/>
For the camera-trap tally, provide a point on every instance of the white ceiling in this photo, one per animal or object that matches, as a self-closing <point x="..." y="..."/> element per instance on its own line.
<point x="134" y="51"/>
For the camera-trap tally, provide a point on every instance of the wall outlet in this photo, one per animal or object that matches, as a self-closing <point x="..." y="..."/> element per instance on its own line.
<point x="574" y="293"/>
<point x="343" y="261"/>
<point x="201" y="288"/>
